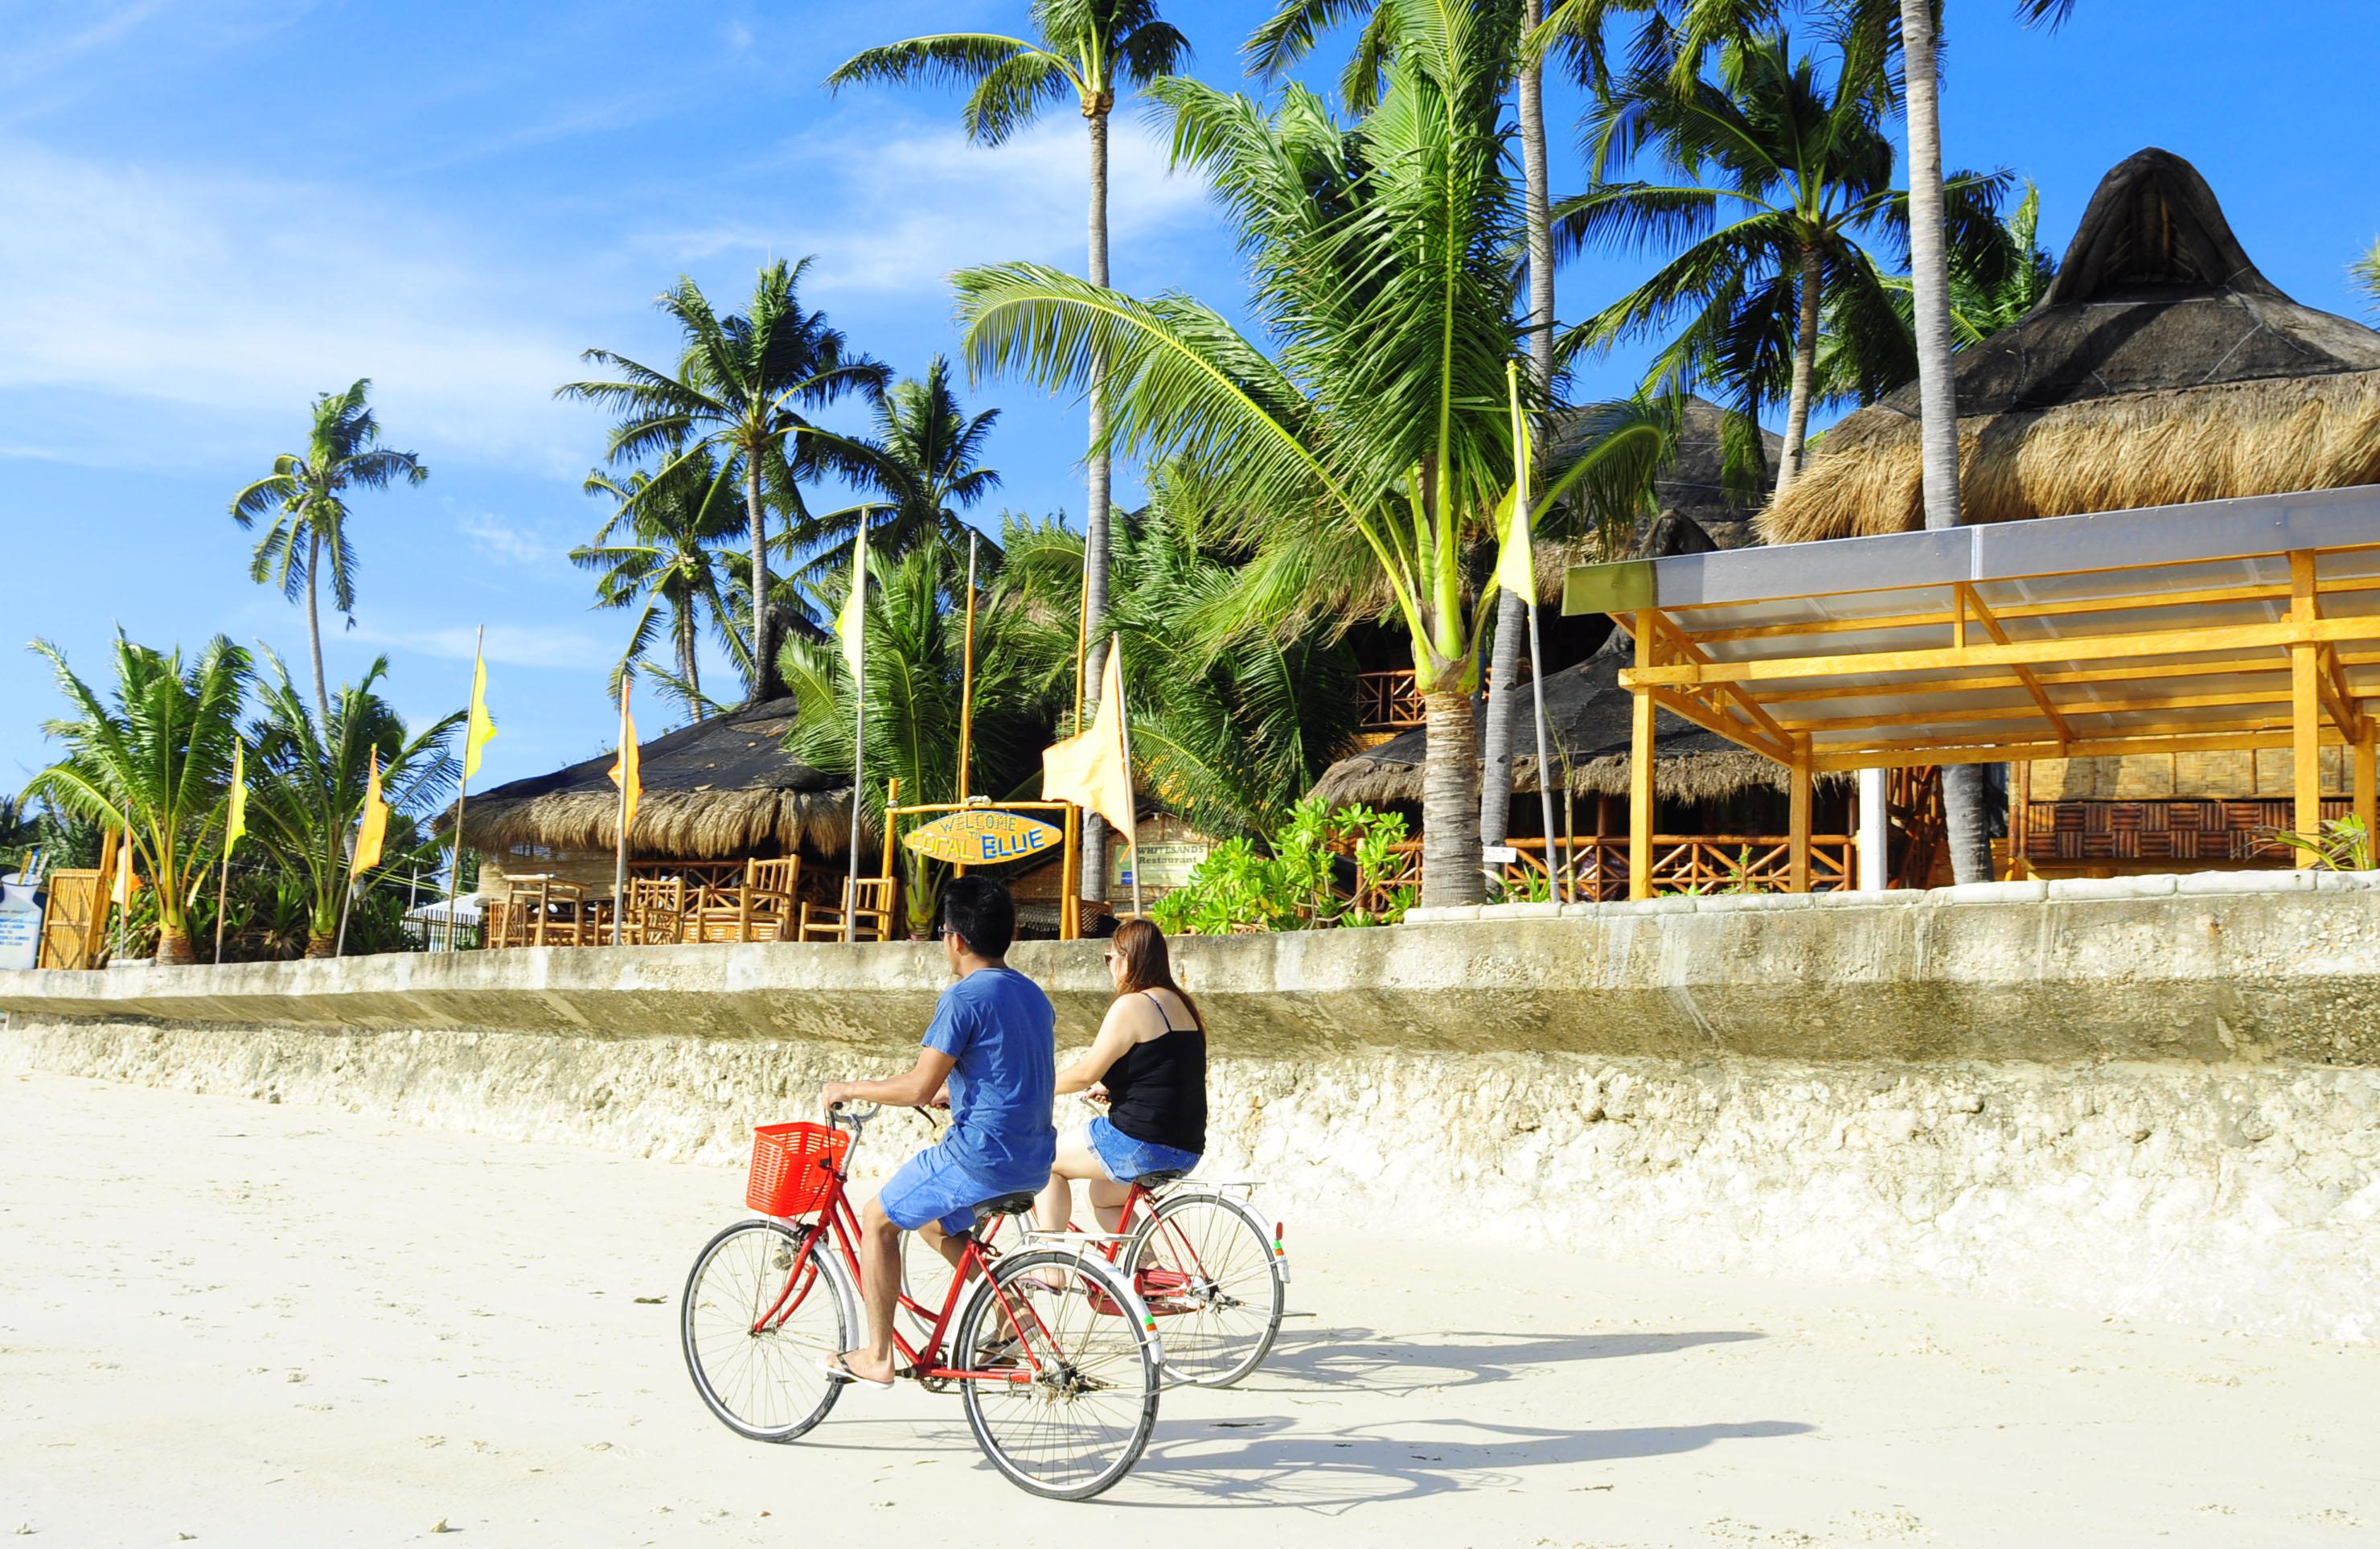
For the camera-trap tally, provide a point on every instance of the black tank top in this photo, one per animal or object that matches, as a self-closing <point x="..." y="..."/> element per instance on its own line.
<point x="1157" y="1091"/>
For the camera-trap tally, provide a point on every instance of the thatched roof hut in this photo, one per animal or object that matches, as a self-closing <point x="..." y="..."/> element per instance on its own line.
<point x="1587" y="719"/>
<point x="2161" y="368"/>
<point x="1695" y="486"/>
<point x="720" y="788"/>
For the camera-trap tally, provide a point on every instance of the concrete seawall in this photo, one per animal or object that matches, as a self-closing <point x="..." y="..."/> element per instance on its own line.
<point x="2142" y="1096"/>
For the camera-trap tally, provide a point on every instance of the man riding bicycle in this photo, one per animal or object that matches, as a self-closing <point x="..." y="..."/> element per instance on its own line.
<point x="993" y="1044"/>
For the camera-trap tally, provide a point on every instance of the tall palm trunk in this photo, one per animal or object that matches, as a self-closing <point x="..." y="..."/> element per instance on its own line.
<point x="1513" y="612"/>
<point x="1450" y="793"/>
<point x="1938" y="400"/>
<point x="314" y="620"/>
<point x="1095" y="517"/>
<point x="687" y="670"/>
<point x="173" y="948"/>
<point x="1805" y="368"/>
<point x="766" y="684"/>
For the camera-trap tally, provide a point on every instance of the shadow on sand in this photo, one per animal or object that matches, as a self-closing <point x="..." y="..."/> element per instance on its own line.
<point x="1366" y="1361"/>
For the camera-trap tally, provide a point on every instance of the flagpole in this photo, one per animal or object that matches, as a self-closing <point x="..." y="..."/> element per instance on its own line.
<point x="1124" y="723"/>
<point x="966" y="673"/>
<point x="223" y="890"/>
<point x="463" y="789"/>
<point x="1083" y="637"/>
<point x="1555" y="889"/>
<point x="858" y="781"/>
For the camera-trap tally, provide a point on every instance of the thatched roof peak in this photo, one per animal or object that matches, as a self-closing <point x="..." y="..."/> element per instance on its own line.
<point x="2152" y="222"/>
<point x="2160" y="368"/>
<point x="721" y="787"/>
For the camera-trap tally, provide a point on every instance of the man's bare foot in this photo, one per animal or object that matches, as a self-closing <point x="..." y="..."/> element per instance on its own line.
<point x="860" y="1366"/>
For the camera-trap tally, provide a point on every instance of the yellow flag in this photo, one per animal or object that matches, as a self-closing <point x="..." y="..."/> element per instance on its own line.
<point x="851" y="624"/>
<point x="478" y="730"/>
<point x="623" y="771"/>
<point x="373" y="830"/>
<point x="1090" y="769"/>
<point x="127" y="885"/>
<point x="235" y="815"/>
<point x="1516" y="568"/>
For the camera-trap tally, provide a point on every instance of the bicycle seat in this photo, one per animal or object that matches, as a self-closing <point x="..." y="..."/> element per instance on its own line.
<point x="1162" y="1176"/>
<point x="1006" y="1204"/>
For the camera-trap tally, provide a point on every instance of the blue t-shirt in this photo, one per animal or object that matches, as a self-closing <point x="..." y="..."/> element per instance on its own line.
<point x="1003" y="1031"/>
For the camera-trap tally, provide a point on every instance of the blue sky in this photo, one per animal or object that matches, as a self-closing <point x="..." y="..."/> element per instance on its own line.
<point x="220" y="207"/>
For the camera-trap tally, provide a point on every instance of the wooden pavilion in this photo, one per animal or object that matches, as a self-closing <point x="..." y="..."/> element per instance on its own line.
<point x="2161" y="368"/>
<point x="2226" y="626"/>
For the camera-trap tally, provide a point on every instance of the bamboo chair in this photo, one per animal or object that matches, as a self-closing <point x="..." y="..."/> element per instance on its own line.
<point x="655" y="912"/>
<point x="871" y="917"/>
<point x="528" y="910"/>
<point x="768" y="898"/>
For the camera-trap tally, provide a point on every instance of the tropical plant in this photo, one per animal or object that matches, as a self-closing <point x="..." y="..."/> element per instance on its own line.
<point x="1091" y="48"/>
<point x="1303" y="884"/>
<point x="153" y="758"/>
<point x="739" y="398"/>
<point x="1380" y="435"/>
<point x="2342" y="844"/>
<point x="1775" y="179"/>
<point x="2365" y="275"/>
<point x="926" y="456"/>
<point x="304" y="495"/>
<point x="19" y="829"/>
<point x="916" y="649"/>
<point x="308" y="779"/>
<point x="1278" y="43"/>
<point x="1227" y="734"/>
<point x="670" y="565"/>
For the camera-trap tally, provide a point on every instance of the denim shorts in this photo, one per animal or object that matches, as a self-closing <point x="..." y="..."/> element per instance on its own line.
<point x="935" y="1185"/>
<point x="1125" y="1159"/>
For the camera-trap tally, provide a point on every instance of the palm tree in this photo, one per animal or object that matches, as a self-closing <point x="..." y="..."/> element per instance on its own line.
<point x="303" y="492"/>
<point x="670" y="562"/>
<point x="738" y="397"/>
<point x="308" y="779"/>
<point x="1089" y="47"/>
<point x="1278" y="43"/>
<point x="1775" y="179"/>
<point x="926" y="456"/>
<point x="158" y="760"/>
<point x="914" y="654"/>
<point x="1380" y="259"/>
<point x="2364" y="273"/>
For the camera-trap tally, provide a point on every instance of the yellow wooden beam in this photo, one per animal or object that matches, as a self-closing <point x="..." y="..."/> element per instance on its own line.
<point x="1727" y="725"/>
<point x="1750" y="706"/>
<point x="2122" y="647"/>
<point x="2305" y="702"/>
<point x="2019" y="753"/>
<point x="1797" y="866"/>
<point x="2367" y="778"/>
<point x="1640" y="768"/>
<point x="2278" y="695"/>
<point x="2123" y="672"/>
<point x="2023" y="675"/>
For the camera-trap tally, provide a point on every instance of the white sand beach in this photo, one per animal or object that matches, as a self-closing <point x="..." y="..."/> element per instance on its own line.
<point x="229" y="1322"/>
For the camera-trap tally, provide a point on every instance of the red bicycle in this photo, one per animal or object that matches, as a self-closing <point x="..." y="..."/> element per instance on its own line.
<point x="1054" y="1354"/>
<point x="1203" y="1261"/>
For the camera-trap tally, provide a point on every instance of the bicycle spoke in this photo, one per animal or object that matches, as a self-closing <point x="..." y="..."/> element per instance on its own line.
<point x="761" y="1378"/>
<point x="1206" y="1272"/>
<point x="1081" y="1419"/>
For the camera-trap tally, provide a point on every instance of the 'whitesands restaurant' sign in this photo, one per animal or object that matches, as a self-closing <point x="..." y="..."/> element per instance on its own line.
<point x="982" y="836"/>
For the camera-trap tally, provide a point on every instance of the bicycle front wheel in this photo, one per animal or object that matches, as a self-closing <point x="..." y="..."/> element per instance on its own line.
<point x="1204" y="1265"/>
<point x="755" y="1330"/>
<point x="1080" y="1399"/>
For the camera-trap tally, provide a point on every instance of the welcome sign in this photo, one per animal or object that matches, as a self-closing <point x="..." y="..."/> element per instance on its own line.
<point x="983" y="838"/>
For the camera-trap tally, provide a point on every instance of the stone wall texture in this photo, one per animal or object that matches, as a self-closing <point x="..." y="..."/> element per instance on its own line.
<point x="2124" y="1097"/>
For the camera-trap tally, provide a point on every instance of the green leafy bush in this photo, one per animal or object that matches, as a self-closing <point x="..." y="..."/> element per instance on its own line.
<point x="1326" y="868"/>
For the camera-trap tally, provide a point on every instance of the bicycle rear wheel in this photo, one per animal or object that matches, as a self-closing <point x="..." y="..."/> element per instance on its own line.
<point x="1203" y="1264"/>
<point x="754" y="1333"/>
<point x="1078" y="1414"/>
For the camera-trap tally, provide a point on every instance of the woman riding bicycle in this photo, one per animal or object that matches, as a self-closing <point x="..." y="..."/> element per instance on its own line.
<point x="1150" y="1061"/>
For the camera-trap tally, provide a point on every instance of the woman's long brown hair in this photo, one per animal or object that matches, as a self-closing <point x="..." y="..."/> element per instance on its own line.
<point x="1141" y="947"/>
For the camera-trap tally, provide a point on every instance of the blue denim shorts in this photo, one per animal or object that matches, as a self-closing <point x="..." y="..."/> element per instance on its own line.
<point x="1126" y="1159"/>
<point x="935" y="1186"/>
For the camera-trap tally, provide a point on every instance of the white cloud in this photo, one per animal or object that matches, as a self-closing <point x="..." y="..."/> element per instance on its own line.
<point x="897" y="213"/>
<point x="243" y="297"/>
<point x="513" y="645"/>
<point x="497" y="539"/>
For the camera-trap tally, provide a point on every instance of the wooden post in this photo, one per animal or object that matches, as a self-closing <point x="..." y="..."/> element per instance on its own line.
<point x="2305" y="704"/>
<point x="892" y="886"/>
<point x="1640" y="770"/>
<point x="966" y="678"/>
<point x="1797" y="873"/>
<point x="2367" y="774"/>
<point x="1070" y="903"/>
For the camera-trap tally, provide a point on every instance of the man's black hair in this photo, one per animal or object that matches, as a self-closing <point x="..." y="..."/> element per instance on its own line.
<point x="979" y="911"/>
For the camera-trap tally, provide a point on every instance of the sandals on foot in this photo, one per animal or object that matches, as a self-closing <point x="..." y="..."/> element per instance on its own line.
<point x="834" y="1368"/>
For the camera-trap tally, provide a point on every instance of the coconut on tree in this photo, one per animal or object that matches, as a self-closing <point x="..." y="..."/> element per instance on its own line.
<point x="305" y="498"/>
<point x="155" y="759"/>
<point x="1089" y="49"/>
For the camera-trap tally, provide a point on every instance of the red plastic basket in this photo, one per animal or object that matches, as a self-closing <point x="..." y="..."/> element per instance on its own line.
<point x="792" y="1165"/>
